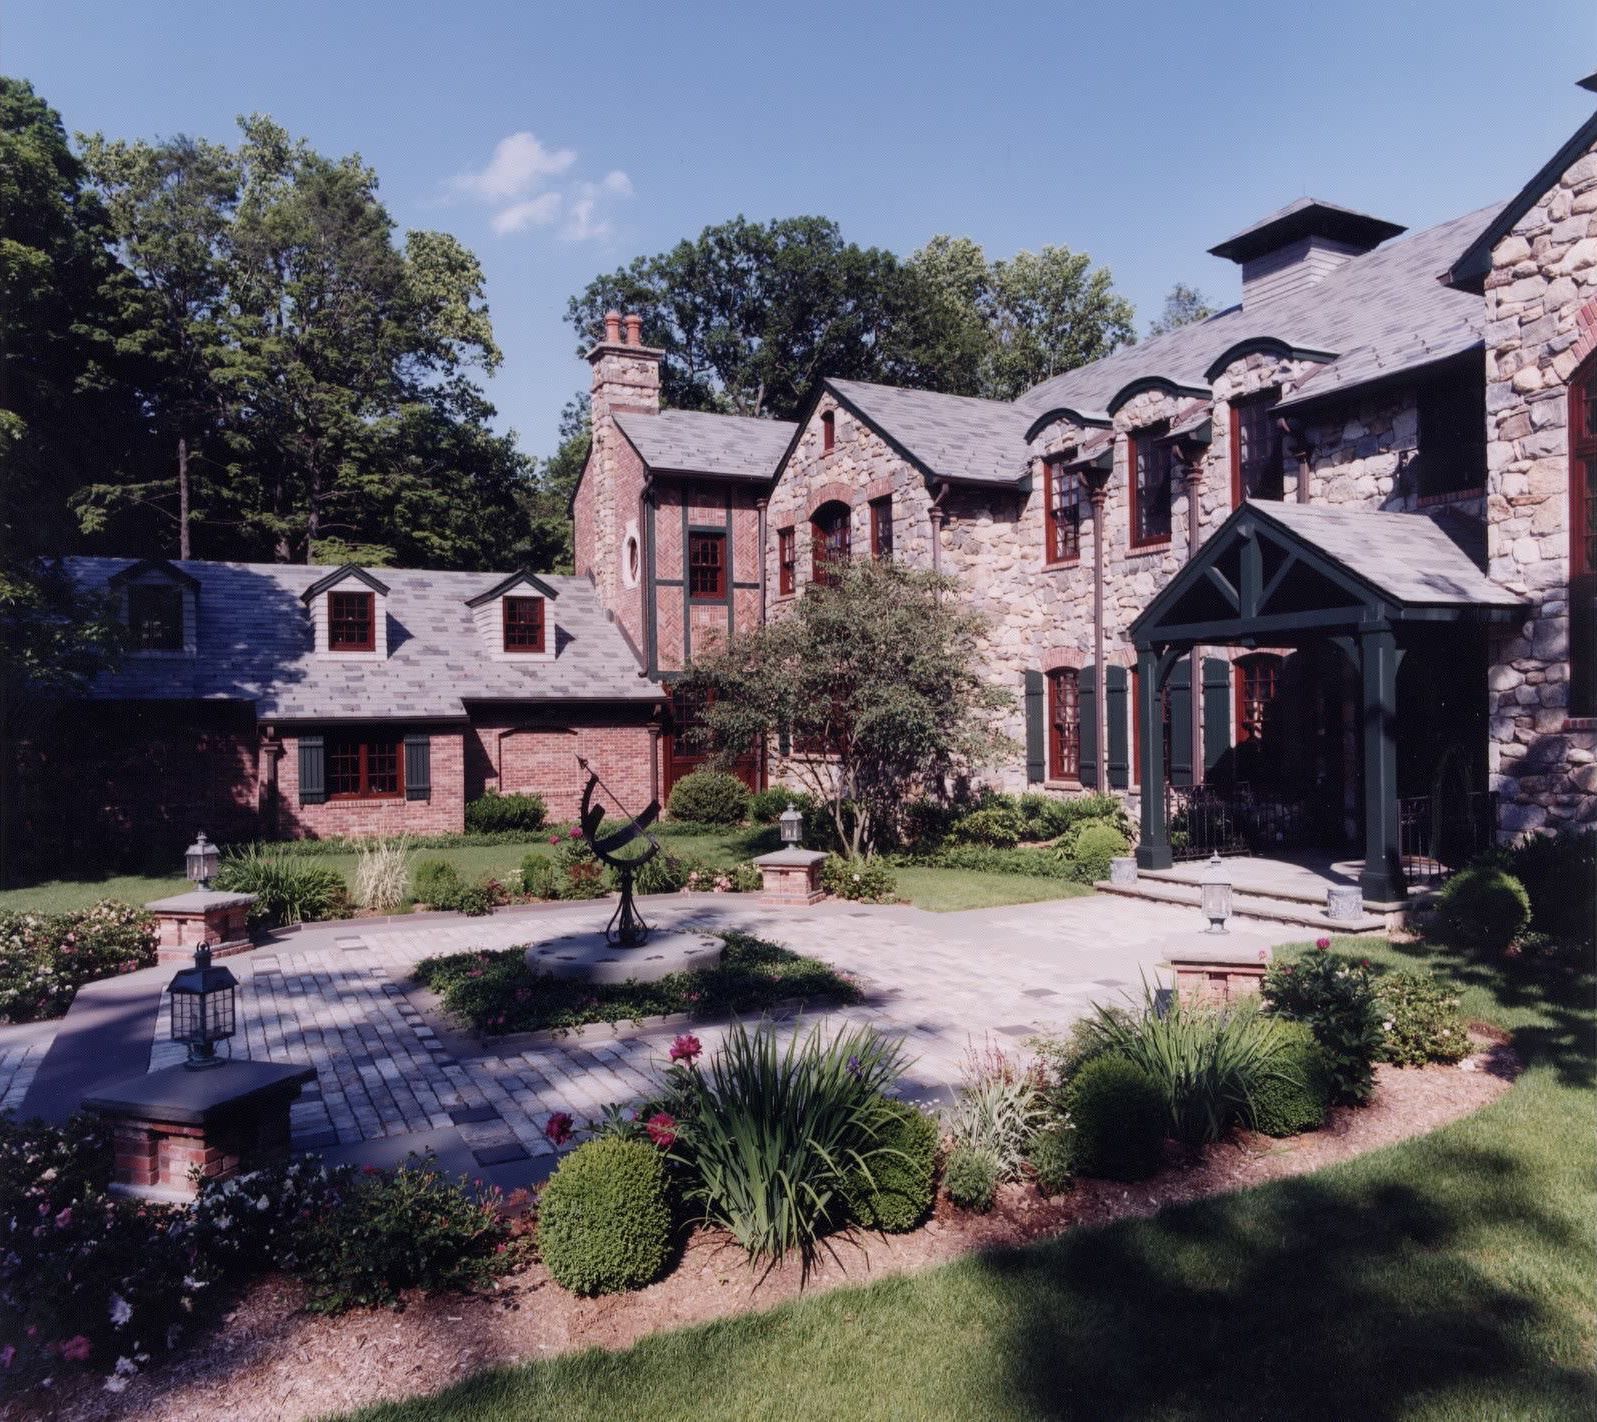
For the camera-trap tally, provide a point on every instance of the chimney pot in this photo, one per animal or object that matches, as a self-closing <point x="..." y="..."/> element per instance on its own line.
<point x="634" y="330"/>
<point x="612" y="327"/>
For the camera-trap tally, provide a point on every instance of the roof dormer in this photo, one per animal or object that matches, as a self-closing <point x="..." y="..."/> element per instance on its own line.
<point x="349" y="614"/>
<point x="1300" y="246"/>
<point x="515" y="618"/>
<point x="159" y="605"/>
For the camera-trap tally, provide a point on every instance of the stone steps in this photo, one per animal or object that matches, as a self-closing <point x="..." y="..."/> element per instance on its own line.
<point x="1251" y="903"/>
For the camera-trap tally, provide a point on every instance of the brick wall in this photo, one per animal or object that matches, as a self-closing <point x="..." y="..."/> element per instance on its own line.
<point x="443" y="813"/>
<point x="507" y="754"/>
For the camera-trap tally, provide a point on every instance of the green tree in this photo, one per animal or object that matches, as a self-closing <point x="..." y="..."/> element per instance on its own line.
<point x="877" y="669"/>
<point x="1183" y="305"/>
<point x="546" y="498"/>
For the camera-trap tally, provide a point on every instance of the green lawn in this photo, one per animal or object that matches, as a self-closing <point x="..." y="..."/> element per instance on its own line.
<point x="1450" y="1277"/>
<point x="943" y="890"/>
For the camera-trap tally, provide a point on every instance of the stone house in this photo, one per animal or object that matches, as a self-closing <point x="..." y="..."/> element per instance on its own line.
<point x="1322" y="562"/>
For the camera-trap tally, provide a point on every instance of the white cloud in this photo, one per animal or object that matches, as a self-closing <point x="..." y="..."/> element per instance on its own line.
<point x="519" y="184"/>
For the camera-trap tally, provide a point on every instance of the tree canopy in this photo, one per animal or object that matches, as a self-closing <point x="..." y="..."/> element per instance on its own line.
<point x="875" y="673"/>
<point x="1183" y="305"/>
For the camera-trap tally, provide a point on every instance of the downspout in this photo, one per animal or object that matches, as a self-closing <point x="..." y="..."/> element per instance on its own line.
<point x="759" y="509"/>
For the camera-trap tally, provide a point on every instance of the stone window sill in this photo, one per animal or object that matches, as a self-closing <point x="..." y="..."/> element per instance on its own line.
<point x="1580" y="723"/>
<point x="1061" y="785"/>
<point x="1138" y="550"/>
<point x="1063" y="565"/>
<point x="1454" y="496"/>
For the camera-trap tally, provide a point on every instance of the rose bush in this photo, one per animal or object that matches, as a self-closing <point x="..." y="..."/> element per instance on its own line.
<point x="46" y="957"/>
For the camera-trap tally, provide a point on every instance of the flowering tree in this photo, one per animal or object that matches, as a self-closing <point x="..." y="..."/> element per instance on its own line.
<point x="874" y="680"/>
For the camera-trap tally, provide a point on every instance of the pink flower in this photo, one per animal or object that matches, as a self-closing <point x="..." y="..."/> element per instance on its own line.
<point x="1322" y="943"/>
<point x="662" y="1129"/>
<point x="554" y="839"/>
<point x="64" y="1219"/>
<point x="370" y="1170"/>
<point x="576" y="833"/>
<point x="7" y="1355"/>
<point x="558" y="1128"/>
<point x="77" y="1350"/>
<point x="686" y="1048"/>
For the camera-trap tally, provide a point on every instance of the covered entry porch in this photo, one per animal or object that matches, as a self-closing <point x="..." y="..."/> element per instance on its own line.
<point x="1370" y="588"/>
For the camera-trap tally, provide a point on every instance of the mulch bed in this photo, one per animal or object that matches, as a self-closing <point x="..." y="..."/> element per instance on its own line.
<point x="272" y="1362"/>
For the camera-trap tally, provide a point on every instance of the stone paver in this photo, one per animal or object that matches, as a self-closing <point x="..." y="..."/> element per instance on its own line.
<point x="335" y="997"/>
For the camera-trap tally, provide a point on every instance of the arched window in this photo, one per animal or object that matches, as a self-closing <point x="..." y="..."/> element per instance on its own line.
<point x="1583" y="540"/>
<point x="829" y="541"/>
<point x="1064" y="725"/>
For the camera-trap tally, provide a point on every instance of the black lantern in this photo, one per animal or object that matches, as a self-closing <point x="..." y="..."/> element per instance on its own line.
<point x="201" y="860"/>
<point x="202" y="1008"/>
<point x="791" y="823"/>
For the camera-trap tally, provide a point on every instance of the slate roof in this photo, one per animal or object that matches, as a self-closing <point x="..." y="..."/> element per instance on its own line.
<point x="1407" y="557"/>
<point x="255" y="644"/>
<point x="1381" y="313"/>
<point x="696" y="442"/>
<point x="949" y="436"/>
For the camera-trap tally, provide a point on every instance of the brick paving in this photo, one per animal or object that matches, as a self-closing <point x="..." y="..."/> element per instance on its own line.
<point x="336" y="996"/>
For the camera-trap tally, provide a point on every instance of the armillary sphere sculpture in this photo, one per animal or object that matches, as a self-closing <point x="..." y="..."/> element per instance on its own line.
<point x="626" y="928"/>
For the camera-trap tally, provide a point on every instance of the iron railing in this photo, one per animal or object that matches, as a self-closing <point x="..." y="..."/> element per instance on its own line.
<point x="1234" y="820"/>
<point x="1437" y="834"/>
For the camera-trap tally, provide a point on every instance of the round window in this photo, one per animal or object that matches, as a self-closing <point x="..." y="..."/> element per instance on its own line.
<point x="634" y="559"/>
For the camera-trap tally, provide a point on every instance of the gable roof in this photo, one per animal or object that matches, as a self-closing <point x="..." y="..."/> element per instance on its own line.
<point x="153" y="565"/>
<point x="955" y="437"/>
<point x="499" y="589"/>
<point x="254" y="643"/>
<point x="698" y="442"/>
<point x="338" y="575"/>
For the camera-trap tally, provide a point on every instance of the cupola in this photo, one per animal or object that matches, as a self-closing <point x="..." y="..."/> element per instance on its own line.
<point x="1299" y="246"/>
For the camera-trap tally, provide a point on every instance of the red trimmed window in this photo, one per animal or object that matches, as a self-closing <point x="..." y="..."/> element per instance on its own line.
<point x="1064" y="725"/>
<point x="1256" y="464"/>
<point x="1062" y="513"/>
<point x="786" y="561"/>
<point x="830" y="540"/>
<point x="365" y="769"/>
<point x="523" y="624"/>
<point x="1583" y="540"/>
<point x="351" y="621"/>
<point x="828" y="431"/>
<point x="155" y="617"/>
<point x="882" y="528"/>
<point x="707" y="565"/>
<point x="1152" y="467"/>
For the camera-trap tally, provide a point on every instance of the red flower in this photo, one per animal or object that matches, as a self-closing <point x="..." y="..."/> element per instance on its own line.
<point x="576" y="833"/>
<point x="77" y="1349"/>
<point x="554" y="839"/>
<point x="686" y="1048"/>
<point x="370" y="1170"/>
<point x="558" y="1128"/>
<point x="662" y="1129"/>
<point x="1322" y="943"/>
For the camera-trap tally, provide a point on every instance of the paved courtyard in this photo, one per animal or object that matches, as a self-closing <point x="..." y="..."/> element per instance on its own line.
<point x="393" y="1076"/>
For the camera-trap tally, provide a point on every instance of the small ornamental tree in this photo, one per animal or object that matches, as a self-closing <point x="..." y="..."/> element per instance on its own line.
<point x="874" y="678"/>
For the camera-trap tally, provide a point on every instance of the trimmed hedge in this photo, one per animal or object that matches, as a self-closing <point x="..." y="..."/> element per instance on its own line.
<point x="866" y="881"/>
<point x="711" y="797"/>
<point x="1295" y="1097"/>
<point x="494" y="813"/>
<point x="1119" y="1114"/>
<point x="1483" y="908"/>
<point x="604" y="1221"/>
<point x="1092" y="846"/>
<point x="899" y="1194"/>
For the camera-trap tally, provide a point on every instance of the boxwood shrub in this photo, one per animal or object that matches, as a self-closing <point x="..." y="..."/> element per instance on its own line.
<point x="604" y="1219"/>
<point x="1295" y="1096"/>
<point x="1482" y="908"/>
<point x="899" y="1194"/>
<point x="493" y="813"/>
<point x="710" y="797"/>
<point x="1091" y="846"/>
<point x="1118" y="1113"/>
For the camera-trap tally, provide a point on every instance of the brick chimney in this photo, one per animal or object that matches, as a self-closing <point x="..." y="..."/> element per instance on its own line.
<point x="626" y="373"/>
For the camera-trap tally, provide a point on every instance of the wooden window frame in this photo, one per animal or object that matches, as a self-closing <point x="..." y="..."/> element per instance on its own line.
<point x="1241" y="407"/>
<point x="137" y="621"/>
<point x="365" y="748"/>
<point x="513" y="620"/>
<point x="335" y="620"/>
<point x="1064" y="746"/>
<point x="882" y="528"/>
<point x="713" y="589"/>
<point x="1582" y="425"/>
<point x="1062" y="537"/>
<point x="820" y="559"/>
<point x="1136" y="442"/>
<point x="786" y="562"/>
<point x="828" y="431"/>
<point x="1243" y="671"/>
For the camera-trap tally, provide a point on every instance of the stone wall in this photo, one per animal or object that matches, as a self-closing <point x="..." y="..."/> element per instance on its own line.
<point x="1541" y="311"/>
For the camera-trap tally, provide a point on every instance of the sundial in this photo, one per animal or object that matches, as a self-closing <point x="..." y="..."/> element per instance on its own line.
<point x="626" y="928"/>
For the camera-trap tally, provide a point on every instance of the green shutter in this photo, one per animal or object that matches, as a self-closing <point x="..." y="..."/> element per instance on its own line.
<point x="1115" y="711"/>
<point x="1180" y="687"/>
<point x="418" y="766"/>
<point x="1216" y="711"/>
<point x="312" y="770"/>
<point x="1087" y="710"/>
<point x="1036" y="729"/>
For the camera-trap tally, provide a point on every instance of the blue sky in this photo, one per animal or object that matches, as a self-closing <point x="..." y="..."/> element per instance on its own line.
<point x="1142" y="134"/>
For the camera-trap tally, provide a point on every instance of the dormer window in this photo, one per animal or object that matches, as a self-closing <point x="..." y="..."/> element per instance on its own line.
<point x="523" y="624"/>
<point x="1257" y="471"/>
<point x="351" y="622"/>
<point x="1151" y="481"/>
<point x="155" y="617"/>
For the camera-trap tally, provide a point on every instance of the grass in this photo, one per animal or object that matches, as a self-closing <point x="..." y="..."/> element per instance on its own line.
<point x="1449" y="1277"/>
<point x="495" y="992"/>
<point x="948" y="890"/>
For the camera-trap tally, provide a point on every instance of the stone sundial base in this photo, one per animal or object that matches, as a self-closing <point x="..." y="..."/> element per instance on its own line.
<point x="588" y="958"/>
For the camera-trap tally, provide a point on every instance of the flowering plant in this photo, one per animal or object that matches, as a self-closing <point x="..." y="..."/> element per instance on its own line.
<point x="46" y="957"/>
<point x="686" y="1048"/>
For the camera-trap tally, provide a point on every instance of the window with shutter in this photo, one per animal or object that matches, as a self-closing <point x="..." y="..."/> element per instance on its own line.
<point x="1115" y="717"/>
<point x="1087" y="723"/>
<point x="1064" y="724"/>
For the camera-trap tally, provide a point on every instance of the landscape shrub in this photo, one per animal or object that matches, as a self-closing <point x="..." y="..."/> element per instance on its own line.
<point x="998" y="1108"/>
<point x="1060" y="1059"/>
<point x="1117" y="1115"/>
<point x="666" y="873"/>
<point x="766" y="806"/>
<point x="777" y="1132"/>
<point x="604" y="1218"/>
<point x="1091" y="846"/>
<point x="382" y="874"/>
<point x="970" y="1178"/>
<point x="1558" y="871"/>
<point x="493" y="813"/>
<point x="1422" y="1020"/>
<point x="1338" y="999"/>
<point x="539" y="877"/>
<point x="711" y="797"/>
<point x="899" y="1193"/>
<point x="46" y="957"/>
<point x="288" y="888"/>
<point x="867" y="881"/>
<point x="982" y="859"/>
<point x="578" y="873"/>
<point x="256" y="1221"/>
<point x="437" y="883"/>
<point x="1482" y="909"/>
<point x="998" y="826"/>
<point x="927" y="820"/>
<point x="746" y="878"/>
<point x="1294" y="1097"/>
<point x="480" y="897"/>
<point x="1051" y="1156"/>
